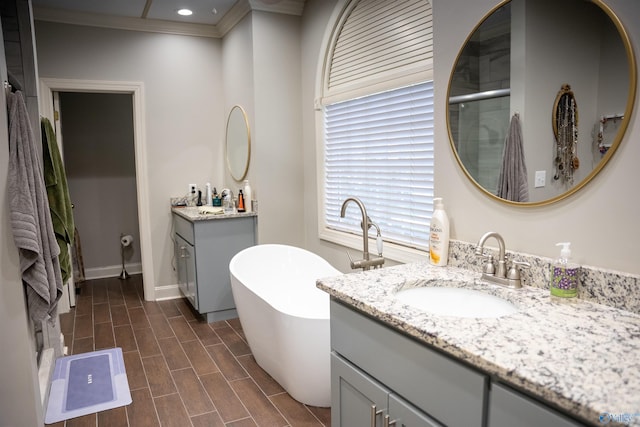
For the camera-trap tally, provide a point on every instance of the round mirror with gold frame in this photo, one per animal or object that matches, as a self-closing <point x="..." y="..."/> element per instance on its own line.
<point x="238" y="143"/>
<point x="513" y="63"/>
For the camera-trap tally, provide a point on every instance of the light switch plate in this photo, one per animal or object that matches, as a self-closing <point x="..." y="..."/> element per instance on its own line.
<point x="541" y="177"/>
<point x="193" y="188"/>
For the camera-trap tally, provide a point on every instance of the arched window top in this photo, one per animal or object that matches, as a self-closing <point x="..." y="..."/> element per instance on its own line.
<point x="377" y="45"/>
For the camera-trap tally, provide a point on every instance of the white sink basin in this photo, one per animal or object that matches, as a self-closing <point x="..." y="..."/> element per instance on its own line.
<point x="458" y="302"/>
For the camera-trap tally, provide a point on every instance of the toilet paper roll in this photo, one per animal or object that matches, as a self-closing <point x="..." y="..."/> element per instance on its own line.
<point x="126" y="240"/>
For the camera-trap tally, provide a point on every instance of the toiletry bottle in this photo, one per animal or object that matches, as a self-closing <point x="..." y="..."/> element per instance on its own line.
<point x="208" y="200"/>
<point x="565" y="275"/>
<point x="241" y="204"/>
<point x="439" y="235"/>
<point x="247" y="196"/>
<point x="216" y="198"/>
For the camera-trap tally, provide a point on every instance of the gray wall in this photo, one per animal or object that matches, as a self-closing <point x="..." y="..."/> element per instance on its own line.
<point x="97" y="130"/>
<point x="183" y="109"/>
<point x="191" y="83"/>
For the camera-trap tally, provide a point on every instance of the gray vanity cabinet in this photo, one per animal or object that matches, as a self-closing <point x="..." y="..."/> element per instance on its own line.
<point x="203" y="249"/>
<point x="359" y="396"/>
<point x="186" y="260"/>
<point x="378" y="372"/>
<point x="428" y="387"/>
<point x="363" y="401"/>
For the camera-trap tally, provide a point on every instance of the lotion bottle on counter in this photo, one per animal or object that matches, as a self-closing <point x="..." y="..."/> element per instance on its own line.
<point x="208" y="200"/>
<point x="565" y="275"/>
<point x="439" y="235"/>
<point x="248" y="196"/>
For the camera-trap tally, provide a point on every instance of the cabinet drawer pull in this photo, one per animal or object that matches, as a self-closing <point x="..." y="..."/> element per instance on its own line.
<point x="388" y="423"/>
<point x="183" y="252"/>
<point x="374" y="415"/>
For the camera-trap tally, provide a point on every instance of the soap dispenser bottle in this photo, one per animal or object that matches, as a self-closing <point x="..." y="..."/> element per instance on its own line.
<point x="439" y="235"/>
<point x="565" y="275"/>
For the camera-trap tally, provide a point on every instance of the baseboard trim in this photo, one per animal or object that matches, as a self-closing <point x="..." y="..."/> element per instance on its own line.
<point x="168" y="292"/>
<point x="111" y="271"/>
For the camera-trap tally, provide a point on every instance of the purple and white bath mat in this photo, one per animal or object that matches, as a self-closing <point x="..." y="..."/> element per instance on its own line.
<point x="86" y="383"/>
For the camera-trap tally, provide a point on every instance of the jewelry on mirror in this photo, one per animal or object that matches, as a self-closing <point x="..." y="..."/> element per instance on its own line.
<point x="565" y="129"/>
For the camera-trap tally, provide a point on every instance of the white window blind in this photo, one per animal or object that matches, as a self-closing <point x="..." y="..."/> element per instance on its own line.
<point x="379" y="148"/>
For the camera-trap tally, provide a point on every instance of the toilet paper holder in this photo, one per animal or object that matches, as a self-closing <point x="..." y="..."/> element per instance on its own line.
<point x="125" y="241"/>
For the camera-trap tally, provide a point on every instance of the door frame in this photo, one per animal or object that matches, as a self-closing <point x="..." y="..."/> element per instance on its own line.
<point x="136" y="89"/>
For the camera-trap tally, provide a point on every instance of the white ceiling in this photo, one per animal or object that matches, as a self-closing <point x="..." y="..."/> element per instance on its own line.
<point x="211" y="18"/>
<point x="164" y="10"/>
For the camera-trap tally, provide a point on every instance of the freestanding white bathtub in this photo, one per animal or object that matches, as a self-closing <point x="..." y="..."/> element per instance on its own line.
<point x="285" y="317"/>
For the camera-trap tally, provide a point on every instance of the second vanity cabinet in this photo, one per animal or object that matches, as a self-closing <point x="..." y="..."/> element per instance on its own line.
<point x="380" y="377"/>
<point x="203" y="249"/>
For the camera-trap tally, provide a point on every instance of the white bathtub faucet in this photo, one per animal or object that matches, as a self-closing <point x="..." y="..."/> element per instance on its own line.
<point x="367" y="261"/>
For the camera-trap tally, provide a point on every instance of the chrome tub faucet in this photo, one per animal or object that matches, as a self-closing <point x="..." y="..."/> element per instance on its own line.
<point x="367" y="260"/>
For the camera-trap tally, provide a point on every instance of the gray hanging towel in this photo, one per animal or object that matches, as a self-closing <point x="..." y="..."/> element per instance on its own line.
<point x="512" y="182"/>
<point x="30" y="217"/>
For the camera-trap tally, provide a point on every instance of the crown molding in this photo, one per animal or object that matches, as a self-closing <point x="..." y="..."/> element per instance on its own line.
<point x="233" y="16"/>
<point x="124" y="23"/>
<point x="287" y="7"/>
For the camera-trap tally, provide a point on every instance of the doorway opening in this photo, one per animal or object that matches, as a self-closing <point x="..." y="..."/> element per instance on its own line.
<point x="95" y="131"/>
<point x="133" y="93"/>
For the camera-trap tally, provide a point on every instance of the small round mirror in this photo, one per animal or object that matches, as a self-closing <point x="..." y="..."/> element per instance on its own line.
<point x="238" y="146"/>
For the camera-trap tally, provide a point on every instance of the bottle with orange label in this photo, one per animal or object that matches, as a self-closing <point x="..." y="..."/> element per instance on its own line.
<point x="439" y="235"/>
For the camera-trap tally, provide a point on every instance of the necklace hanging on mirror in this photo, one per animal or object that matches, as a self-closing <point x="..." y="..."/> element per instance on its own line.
<point x="566" y="133"/>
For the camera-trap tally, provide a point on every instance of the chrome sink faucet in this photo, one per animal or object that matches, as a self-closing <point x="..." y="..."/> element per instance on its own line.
<point x="367" y="262"/>
<point x="497" y="272"/>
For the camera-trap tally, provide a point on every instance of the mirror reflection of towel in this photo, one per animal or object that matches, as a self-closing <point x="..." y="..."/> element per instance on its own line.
<point x="512" y="182"/>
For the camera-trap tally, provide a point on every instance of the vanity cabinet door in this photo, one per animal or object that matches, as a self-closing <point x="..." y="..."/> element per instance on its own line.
<point x="185" y="256"/>
<point x="356" y="398"/>
<point x="404" y="414"/>
<point x="448" y="391"/>
<point x="508" y="408"/>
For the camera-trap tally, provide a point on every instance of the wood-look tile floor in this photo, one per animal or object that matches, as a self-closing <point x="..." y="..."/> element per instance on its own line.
<point x="182" y="371"/>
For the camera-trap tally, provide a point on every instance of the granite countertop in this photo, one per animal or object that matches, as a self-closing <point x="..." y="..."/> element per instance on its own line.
<point x="193" y="213"/>
<point x="579" y="356"/>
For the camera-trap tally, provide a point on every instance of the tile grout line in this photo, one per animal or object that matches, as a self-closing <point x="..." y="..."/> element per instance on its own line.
<point x="263" y="392"/>
<point x="251" y="378"/>
<point x="190" y="367"/>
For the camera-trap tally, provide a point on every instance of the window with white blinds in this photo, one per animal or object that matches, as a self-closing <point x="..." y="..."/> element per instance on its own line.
<point x="379" y="148"/>
<point x="377" y="105"/>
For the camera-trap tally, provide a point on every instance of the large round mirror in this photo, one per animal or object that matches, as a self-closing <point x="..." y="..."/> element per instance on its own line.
<point x="238" y="146"/>
<point x="505" y="82"/>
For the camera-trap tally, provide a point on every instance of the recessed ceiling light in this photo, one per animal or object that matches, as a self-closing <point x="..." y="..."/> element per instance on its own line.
<point x="185" y="12"/>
